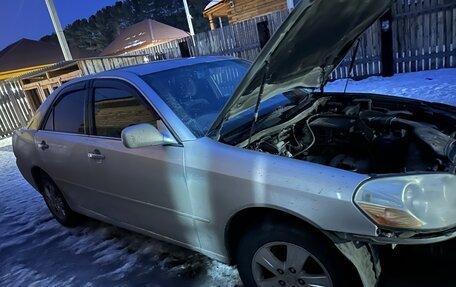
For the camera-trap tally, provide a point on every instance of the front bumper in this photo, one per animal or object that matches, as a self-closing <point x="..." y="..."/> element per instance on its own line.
<point x="400" y="238"/>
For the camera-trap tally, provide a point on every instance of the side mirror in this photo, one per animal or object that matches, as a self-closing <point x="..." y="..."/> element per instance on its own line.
<point x="144" y="135"/>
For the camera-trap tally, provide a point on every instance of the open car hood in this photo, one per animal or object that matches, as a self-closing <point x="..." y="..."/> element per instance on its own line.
<point x="304" y="51"/>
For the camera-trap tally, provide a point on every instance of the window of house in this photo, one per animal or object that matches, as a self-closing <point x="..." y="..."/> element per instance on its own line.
<point x="116" y="109"/>
<point x="69" y="113"/>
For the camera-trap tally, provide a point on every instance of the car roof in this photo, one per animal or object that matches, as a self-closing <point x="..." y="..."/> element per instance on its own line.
<point x="148" y="68"/>
<point x="159" y="66"/>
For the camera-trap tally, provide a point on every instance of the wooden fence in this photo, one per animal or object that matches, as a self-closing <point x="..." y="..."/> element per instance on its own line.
<point x="423" y="32"/>
<point x="101" y="64"/>
<point x="240" y="40"/>
<point x="14" y="109"/>
<point x="367" y="60"/>
<point x="424" y="35"/>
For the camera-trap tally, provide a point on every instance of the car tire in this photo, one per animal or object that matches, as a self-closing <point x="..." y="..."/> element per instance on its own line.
<point x="283" y="247"/>
<point x="57" y="203"/>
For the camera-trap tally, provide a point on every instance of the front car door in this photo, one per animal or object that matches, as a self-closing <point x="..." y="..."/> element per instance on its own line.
<point x="142" y="189"/>
<point x="61" y="143"/>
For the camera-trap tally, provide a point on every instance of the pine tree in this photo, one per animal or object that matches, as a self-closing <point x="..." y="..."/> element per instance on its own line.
<point x="97" y="32"/>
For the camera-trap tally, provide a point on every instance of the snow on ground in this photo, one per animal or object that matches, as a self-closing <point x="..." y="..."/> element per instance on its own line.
<point x="36" y="251"/>
<point x="5" y="142"/>
<point x="433" y="86"/>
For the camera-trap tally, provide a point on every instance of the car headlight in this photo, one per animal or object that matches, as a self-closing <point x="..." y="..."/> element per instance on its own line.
<point x="420" y="202"/>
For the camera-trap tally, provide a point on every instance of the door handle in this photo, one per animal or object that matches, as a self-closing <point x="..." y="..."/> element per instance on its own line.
<point x="96" y="155"/>
<point x="43" y="145"/>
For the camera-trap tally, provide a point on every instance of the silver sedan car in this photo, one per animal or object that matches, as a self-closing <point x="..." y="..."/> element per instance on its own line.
<point x="253" y="165"/>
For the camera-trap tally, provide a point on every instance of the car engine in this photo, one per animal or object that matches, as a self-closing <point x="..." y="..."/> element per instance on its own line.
<point x="367" y="135"/>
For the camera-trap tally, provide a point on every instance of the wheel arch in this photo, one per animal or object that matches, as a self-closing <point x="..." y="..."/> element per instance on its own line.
<point x="247" y="217"/>
<point x="240" y="221"/>
<point x="37" y="174"/>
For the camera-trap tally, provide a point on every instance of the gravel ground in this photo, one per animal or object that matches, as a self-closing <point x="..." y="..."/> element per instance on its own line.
<point x="36" y="251"/>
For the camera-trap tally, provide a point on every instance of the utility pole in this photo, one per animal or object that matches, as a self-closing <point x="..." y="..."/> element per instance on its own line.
<point x="58" y="30"/>
<point x="189" y="18"/>
<point x="290" y="4"/>
<point x="387" y="44"/>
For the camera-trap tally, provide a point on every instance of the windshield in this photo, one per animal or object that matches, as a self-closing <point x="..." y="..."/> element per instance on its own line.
<point x="198" y="93"/>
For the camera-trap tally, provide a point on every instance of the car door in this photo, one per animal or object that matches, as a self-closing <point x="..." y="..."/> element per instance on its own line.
<point x="143" y="188"/>
<point x="61" y="143"/>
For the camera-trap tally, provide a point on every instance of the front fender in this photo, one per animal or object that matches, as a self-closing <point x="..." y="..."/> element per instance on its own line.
<point x="223" y="180"/>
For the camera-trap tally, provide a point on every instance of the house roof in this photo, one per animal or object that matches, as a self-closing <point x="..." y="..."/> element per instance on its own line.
<point x="212" y="4"/>
<point x="216" y="8"/>
<point x="26" y="54"/>
<point x="142" y="34"/>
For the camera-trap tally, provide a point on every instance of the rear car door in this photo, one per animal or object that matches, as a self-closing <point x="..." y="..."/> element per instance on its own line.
<point x="61" y="143"/>
<point x="142" y="188"/>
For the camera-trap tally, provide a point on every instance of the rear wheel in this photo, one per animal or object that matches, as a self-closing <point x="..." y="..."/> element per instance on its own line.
<point x="286" y="255"/>
<point x="57" y="204"/>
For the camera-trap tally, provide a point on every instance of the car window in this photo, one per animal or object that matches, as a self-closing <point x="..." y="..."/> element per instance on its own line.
<point x="69" y="113"/>
<point x="49" y="126"/>
<point x="116" y="109"/>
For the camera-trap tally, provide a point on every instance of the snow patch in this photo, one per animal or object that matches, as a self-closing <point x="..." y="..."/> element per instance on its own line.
<point x="5" y="142"/>
<point x="434" y="86"/>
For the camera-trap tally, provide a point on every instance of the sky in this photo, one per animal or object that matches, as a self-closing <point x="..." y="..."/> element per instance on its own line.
<point x="30" y="18"/>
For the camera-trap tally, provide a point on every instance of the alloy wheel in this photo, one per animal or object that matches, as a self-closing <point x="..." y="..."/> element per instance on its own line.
<point x="290" y="265"/>
<point x="55" y="201"/>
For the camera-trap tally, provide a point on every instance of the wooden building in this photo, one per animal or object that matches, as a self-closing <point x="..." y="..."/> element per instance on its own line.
<point x="20" y="96"/>
<point x="241" y="10"/>
<point x="39" y="84"/>
<point x="29" y="57"/>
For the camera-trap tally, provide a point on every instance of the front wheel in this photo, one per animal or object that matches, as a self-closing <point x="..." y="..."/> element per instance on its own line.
<point x="57" y="204"/>
<point x="274" y="254"/>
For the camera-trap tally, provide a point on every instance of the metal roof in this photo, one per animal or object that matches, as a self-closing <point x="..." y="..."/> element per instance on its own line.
<point x="30" y="53"/>
<point x="212" y="4"/>
<point x="144" y="33"/>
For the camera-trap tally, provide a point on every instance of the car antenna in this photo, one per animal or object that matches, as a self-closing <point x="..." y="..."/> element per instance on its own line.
<point x="257" y="107"/>
<point x="352" y="64"/>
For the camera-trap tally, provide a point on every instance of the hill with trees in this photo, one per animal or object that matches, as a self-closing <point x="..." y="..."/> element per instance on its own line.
<point x="99" y="30"/>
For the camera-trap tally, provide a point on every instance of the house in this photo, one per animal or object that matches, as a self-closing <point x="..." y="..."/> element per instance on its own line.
<point x="240" y="10"/>
<point x="28" y="55"/>
<point x="38" y="84"/>
<point x="143" y="35"/>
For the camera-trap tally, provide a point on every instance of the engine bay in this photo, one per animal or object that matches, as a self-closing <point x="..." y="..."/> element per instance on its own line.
<point x="365" y="134"/>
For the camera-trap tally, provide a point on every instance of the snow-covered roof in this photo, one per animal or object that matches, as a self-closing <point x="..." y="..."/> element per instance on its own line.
<point x="212" y="4"/>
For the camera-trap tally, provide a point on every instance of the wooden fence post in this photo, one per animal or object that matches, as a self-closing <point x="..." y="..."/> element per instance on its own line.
<point x="184" y="50"/>
<point x="387" y="44"/>
<point x="15" y="105"/>
<point x="263" y="33"/>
